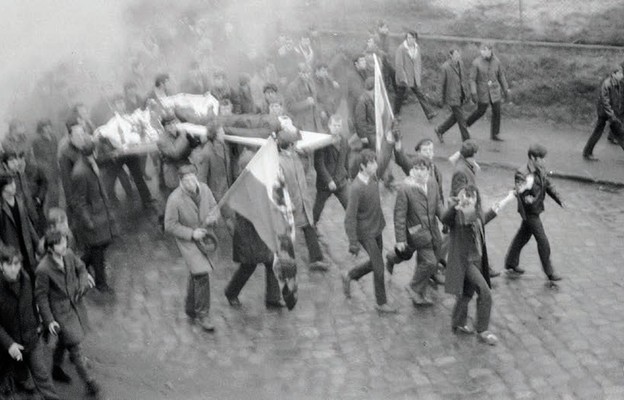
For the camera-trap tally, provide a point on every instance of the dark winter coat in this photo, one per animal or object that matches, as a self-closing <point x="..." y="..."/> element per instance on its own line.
<point x="305" y="115"/>
<point x="487" y="80"/>
<point x="408" y="69"/>
<point x="213" y="166"/>
<point x="455" y="83"/>
<point x="402" y="160"/>
<point x="9" y="234"/>
<point x="331" y="164"/>
<point x="19" y="320"/>
<point x="174" y="150"/>
<point x="464" y="174"/>
<point x="541" y="187"/>
<point x="365" y="119"/>
<point x="611" y="99"/>
<point x="59" y="296"/>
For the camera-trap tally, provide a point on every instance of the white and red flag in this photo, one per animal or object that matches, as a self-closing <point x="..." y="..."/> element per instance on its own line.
<point x="383" y="121"/>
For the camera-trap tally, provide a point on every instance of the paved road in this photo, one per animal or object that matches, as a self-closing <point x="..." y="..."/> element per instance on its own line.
<point x="564" y="344"/>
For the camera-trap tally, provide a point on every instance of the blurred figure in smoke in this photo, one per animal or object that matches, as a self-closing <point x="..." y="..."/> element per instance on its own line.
<point x="81" y="113"/>
<point x="271" y="95"/>
<point x="174" y="149"/>
<point x="226" y="108"/>
<point x="16" y="139"/>
<point x="162" y="88"/>
<point x="305" y="50"/>
<point x="355" y="86"/>
<point x="286" y="60"/>
<point x="327" y="93"/>
<point x="382" y="43"/>
<point x="44" y="149"/>
<point x="68" y="154"/>
<point x="197" y="80"/>
<point x="220" y="87"/>
<point x="301" y="101"/>
<point x="132" y="98"/>
<point x="245" y="101"/>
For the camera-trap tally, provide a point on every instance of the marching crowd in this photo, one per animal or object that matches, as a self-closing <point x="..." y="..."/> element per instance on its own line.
<point x="59" y="197"/>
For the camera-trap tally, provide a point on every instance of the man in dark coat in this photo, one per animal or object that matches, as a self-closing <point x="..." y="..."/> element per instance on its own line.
<point x="530" y="206"/>
<point x="20" y="347"/>
<point x="16" y="228"/>
<point x="408" y="64"/>
<point x="174" y="148"/>
<point x="327" y="93"/>
<point x="62" y="281"/>
<point x="488" y="85"/>
<point x="44" y="148"/>
<point x="465" y="174"/>
<point x="301" y="101"/>
<point x="331" y="164"/>
<point x="455" y="89"/>
<point x="356" y="78"/>
<point x="365" y="115"/>
<point x="68" y="154"/>
<point x="95" y="224"/>
<point x="610" y="108"/>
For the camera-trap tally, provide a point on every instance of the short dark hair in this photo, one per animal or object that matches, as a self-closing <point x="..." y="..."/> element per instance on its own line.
<point x="8" y="254"/>
<point x="320" y="65"/>
<point x="422" y="142"/>
<point x="358" y="56"/>
<point x="469" y="148"/>
<point x="42" y="124"/>
<point x="71" y="122"/>
<point x="225" y="102"/>
<point x="52" y="238"/>
<point x="5" y="179"/>
<point x="414" y="34"/>
<point x="161" y="79"/>
<point x="269" y="86"/>
<point x="453" y="50"/>
<point x="473" y="191"/>
<point x="365" y="157"/>
<point x="537" y="151"/>
<point x="417" y="160"/>
<point x="56" y="215"/>
<point x="10" y="154"/>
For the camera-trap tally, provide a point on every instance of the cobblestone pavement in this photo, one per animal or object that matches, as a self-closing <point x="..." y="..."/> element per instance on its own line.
<point x="554" y="344"/>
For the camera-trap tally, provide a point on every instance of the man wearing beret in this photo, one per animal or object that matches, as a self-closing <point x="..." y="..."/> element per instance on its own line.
<point x="530" y="206"/>
<point x="190" y="213"/>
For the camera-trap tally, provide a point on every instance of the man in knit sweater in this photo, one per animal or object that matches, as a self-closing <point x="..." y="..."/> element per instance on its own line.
<point x="364" y="223"/>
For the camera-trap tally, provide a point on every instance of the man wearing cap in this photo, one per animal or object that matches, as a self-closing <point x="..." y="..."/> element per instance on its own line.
<point x="190" y="213"/>
<point x="465" y="173"/>
<point x="610" y="108"/>
<point x="488" y="85"/>
<point x="530" y="206"/>
<point x="455" y="89"/>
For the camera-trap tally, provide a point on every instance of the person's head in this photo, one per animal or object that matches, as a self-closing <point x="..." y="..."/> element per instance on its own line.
<point x="469" y="148"/>
<point x="321" y="70"/>
<point x="76" y="132"/>
<point x="287" y="135"/>
<point x="225" y="107"/>
<point x="57" y="219"/>
<point x="370" y="43"/>
<point x="469" y="198"/>
<point x="130" y="90"/>
<point x="8" y="188"/>
<point x="17" y="127"/>
<point x="486" y="50"/>
<point x="219" y="79"/>
<point x="187" y="173"/>
<point x="10" y="263"/>
<point x="455" y="54"/>
<point x="304" y="70"/>
<point x="270" y="92"/>
<point x="382" y="27"/>
<point x="369" y="84"/>
<point x="360" y="62"/>
<point x="420" y="170"/>
<point x="163" y="83"/>
<point x="425" y="148"/>
<point x="275" y="108"/>
<point x="619" y="72"/>
<point x="537" y="153"/>
<point x="367" y="162"/>
<point x="411" y="37"/>
<point x="305" y="40"/>
<point x="335" y="124"/>
<point x="11" y="160"/>
<point x="169" y="124"/>
<point x="55" y="242"/>
<point x="44" y="127"/>
<point x="80" y="110"/>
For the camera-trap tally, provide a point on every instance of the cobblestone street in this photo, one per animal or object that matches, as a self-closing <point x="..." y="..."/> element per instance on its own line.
<point x="560" y="344"/>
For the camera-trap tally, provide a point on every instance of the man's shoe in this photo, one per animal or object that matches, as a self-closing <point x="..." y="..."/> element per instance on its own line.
<point x="234" y="301"/>
<point x="439" y="135"/>
<point x="386" y="308"/>
<point x="432" y="115"/>
<point x="466" y="330"/>
<point x="516" y="270"/>
<point x="590" y="157"/>
<point x="420" y="300"/>
<point x="497" y="139"/>
<point x="320" y="265"/>
<point x="554" y="277"/>
<point x="389" y="264"/>
<point x="274" y="304"/>
<point x="93" y="388"/>
<point x="488" y="337"/>
<point x="206" y="324"/>
<point x="105" y="289"/>
<point x="59" y="375"/>
<point x="346" y="285"/>
<point x="493" y="273"/>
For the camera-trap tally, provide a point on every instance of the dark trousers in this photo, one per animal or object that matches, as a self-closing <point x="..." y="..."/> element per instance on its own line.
<point x="113" y="170"/>
<point x="137" y="171"/>
<point x="341" y="193"/>
<point x="314" y="248"/>
<point x="496" y="117"/>
<point x="617" y="132"/>
<point x="531" y="226"/>
<point x="401" y="94"/>
<point x="426" y="267"/>
<point x="242" y="275"/>
<point x="33" y="361"/>
<point x="374" y="264"/>
<point x="473" y="282"/>
<point x="457" y="116"/>
<point x="94" y="256"/>
<point x="197" y="304"/>
<point x="75" y="356"/>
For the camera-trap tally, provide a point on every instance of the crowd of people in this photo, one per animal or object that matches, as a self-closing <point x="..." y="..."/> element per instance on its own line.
<point x="59" y="195"/>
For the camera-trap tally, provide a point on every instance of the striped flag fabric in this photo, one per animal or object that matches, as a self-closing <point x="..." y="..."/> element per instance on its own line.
<point x="384" y="118"/>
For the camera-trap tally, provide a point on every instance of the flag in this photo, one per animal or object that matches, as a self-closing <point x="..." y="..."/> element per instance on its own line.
<point x="260" y="196"/>
<point x="383" y="121"/>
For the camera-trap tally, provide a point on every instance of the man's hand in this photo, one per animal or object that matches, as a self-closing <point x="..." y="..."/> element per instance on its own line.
<point x="213" y="216"/>
<point x="354" y="249"/>
<point x="401" y="246"/>
<point x="529" y="199"/>
<point x="15" y="351"/>
<point x="336" y="85"/>
<point x="54" y="328"/>
<point x="90" y="281"/>
<point x="332" y="186"/>
<point x="199" y="233"/>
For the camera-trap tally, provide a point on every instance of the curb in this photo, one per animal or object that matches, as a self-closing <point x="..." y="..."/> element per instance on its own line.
<point x="555" y="174"/>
